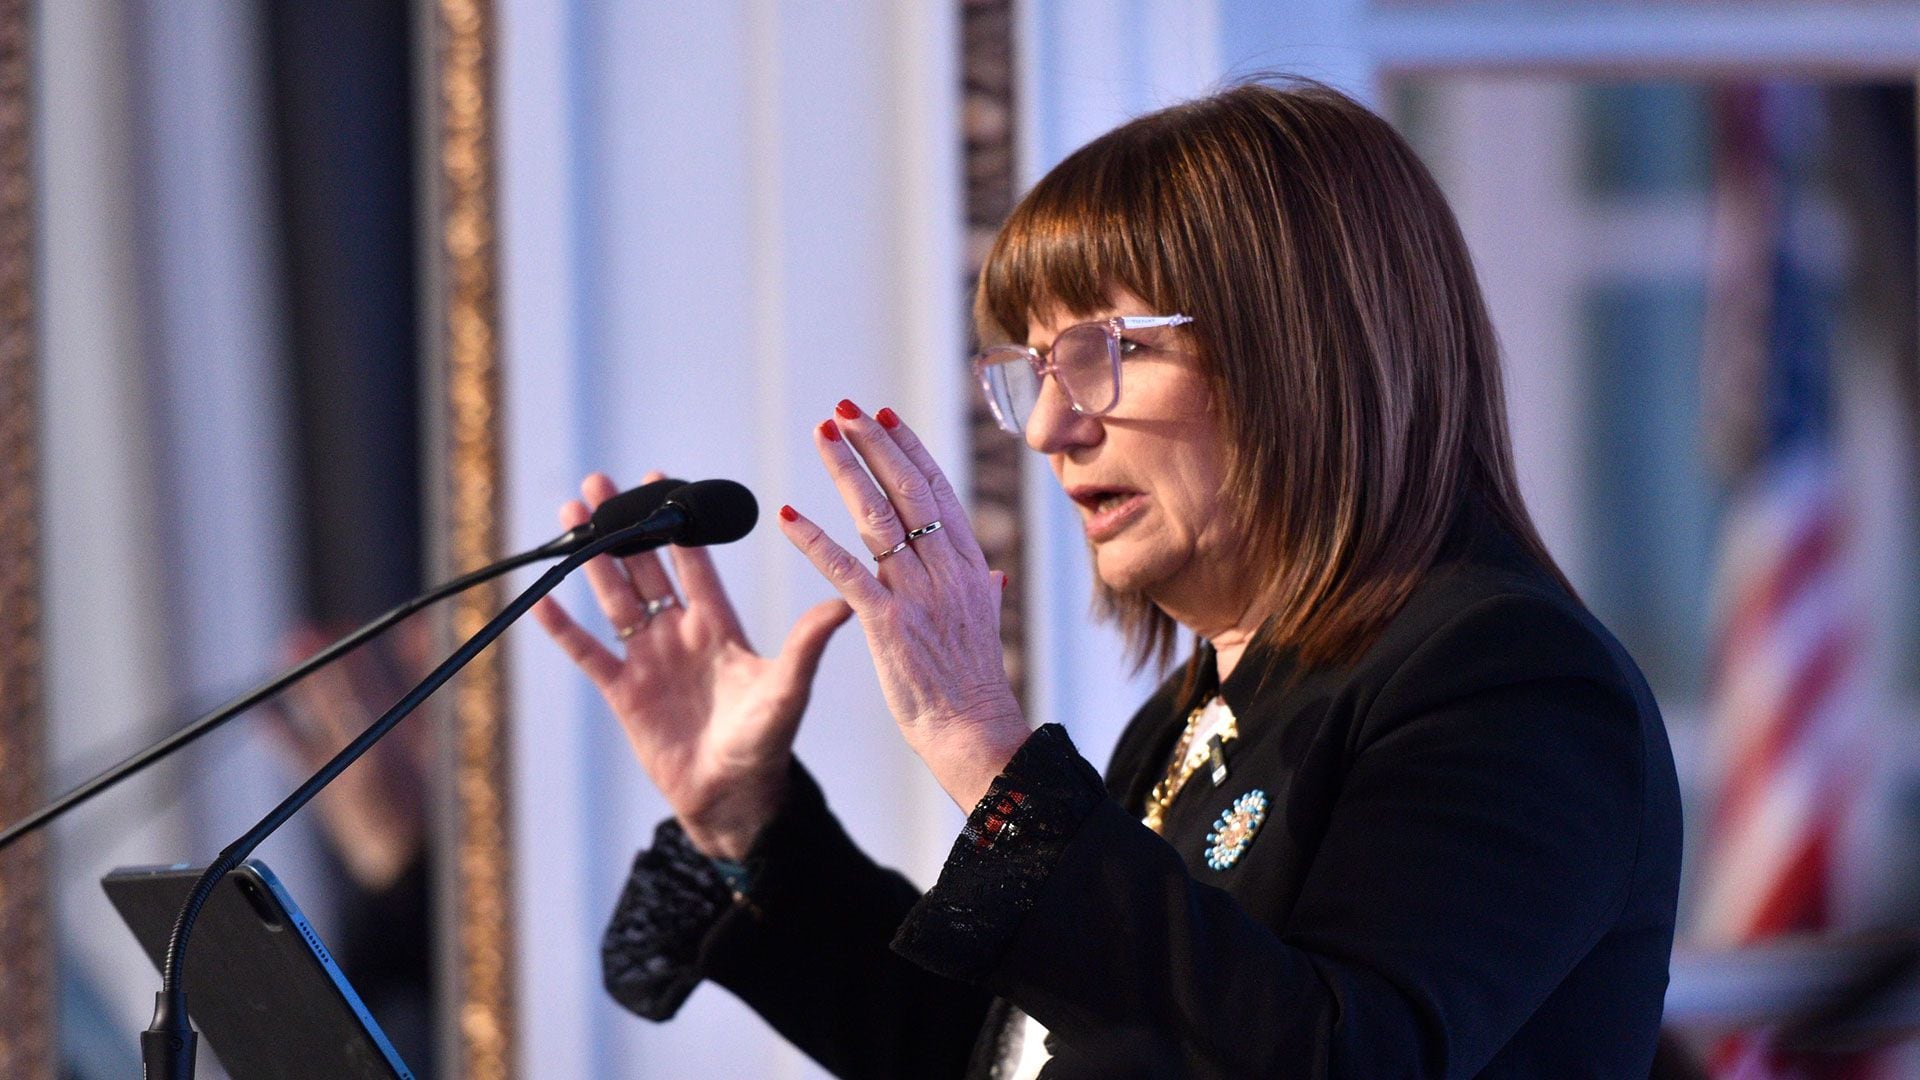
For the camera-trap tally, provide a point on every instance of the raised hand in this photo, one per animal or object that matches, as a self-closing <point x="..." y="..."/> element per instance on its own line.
<point x="930" y="608"/>
<point x="711" y="721"/>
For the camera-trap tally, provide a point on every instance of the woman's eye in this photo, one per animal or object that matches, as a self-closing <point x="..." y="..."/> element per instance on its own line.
<point x="1129" y="346"/>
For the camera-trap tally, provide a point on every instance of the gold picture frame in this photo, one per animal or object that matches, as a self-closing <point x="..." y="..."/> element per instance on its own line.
<point x="990" y="114"/>
<point x="463" y="347"/>
<point x="27" y="982"/>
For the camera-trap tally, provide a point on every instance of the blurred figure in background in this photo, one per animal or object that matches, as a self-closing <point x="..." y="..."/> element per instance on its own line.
<point x="375" y="820"/>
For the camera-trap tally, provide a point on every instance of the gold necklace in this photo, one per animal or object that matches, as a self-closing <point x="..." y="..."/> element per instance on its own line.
<point x="1185" y="762"/>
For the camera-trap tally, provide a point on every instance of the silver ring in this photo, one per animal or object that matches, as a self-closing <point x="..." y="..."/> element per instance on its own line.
<point x="924" y="530"/>
<point x="648" y="611"/>
<point x="881" y="556"/>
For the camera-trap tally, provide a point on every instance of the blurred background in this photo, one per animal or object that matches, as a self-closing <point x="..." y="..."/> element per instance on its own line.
<point x="699" y="226"/>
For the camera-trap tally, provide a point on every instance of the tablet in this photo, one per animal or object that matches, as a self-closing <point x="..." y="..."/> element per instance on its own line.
<point x="263" y="991"/>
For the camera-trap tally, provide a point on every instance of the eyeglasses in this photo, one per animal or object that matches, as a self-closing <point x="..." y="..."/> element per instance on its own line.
<point x="1084" y="361"/>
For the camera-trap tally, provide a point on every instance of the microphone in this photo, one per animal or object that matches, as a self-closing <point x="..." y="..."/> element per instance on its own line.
<point x="708" y="512"/>
<point x="702" y="513"/>
<point x="630" y="507"/>
<point x="615" y="514"/>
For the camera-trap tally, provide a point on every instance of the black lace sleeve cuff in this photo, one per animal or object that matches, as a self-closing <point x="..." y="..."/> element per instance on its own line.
<point x="649" y="956"/>
<point x="1005" y="852"/>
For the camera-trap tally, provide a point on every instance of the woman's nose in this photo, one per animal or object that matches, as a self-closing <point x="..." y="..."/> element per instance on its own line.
<point x="1054" y="426"/>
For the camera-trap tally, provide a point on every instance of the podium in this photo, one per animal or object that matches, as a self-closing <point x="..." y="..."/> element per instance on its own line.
<point x="264" y="991"/>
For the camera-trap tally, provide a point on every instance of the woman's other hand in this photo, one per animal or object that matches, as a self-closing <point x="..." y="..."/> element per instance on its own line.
<point x="931" y="610"/>
<point x="711" y="721"/>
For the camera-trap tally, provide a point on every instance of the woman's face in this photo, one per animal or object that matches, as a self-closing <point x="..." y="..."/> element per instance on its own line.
<point x="1147" y="476"/>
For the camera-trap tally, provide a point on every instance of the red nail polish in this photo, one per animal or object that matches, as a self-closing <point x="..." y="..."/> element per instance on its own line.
<point x="1006" y="579"/>
<point x="887" y="419"/>
<point x="787" y="514"/>
<point x="847" y="409"/>
<point x="830" y="430"/>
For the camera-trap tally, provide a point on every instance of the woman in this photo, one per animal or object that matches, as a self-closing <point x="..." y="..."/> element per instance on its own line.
<point x="1407" y="809"/>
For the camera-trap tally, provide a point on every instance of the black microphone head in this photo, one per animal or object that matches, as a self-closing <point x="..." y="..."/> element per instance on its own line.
<point x="718" y="512"/>
<point x="630" y="508"/>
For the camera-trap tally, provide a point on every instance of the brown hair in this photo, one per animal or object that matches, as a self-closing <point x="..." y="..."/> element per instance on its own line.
<point x="1335" y="307"/>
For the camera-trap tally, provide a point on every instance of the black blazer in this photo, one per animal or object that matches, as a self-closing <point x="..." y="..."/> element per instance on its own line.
<point x="1468" y="867"/>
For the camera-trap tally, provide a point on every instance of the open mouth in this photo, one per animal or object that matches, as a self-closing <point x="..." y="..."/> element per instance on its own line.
<point x="1097" y="498"/>
<point x="1109" y="508"/>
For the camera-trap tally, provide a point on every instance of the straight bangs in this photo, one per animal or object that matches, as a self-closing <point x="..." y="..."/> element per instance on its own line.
<point x="1090" y="226"/>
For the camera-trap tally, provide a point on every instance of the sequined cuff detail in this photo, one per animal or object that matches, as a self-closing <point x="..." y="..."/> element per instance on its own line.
<point x="649" y="956"/>
<point x="1003" y="856"/>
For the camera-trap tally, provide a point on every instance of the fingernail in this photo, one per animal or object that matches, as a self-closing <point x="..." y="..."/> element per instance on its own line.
<point x="1005" y="580"/>
<point x="887" y="419"/>
<point x="847" y="409"/>
<point x="830" y="430"/>
<point x="787" y="513"/>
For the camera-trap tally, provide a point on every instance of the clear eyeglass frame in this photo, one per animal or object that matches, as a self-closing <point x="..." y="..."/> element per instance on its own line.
<point x="1087" y="369"/>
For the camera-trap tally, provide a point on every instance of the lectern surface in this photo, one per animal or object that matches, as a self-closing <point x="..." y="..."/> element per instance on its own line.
<point x="262" y="989"/>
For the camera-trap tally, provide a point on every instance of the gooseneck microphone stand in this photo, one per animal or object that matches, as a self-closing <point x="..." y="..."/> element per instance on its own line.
<point x="258" y="694"/>
<point x="629" y="505"/>
<point x="167" y="1047"/>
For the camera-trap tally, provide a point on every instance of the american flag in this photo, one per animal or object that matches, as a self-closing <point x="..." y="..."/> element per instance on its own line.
<point x="1783" y="705"/>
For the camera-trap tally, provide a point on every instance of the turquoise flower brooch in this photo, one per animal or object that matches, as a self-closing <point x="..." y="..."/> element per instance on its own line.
<point x="1234" y="831"/>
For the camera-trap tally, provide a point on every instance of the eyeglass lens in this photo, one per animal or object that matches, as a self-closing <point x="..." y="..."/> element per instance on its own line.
<point x="1082" y="362"/>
